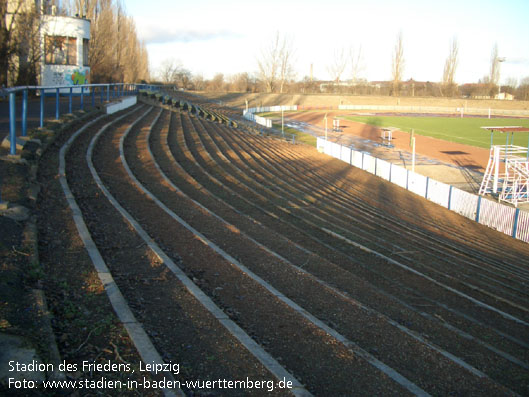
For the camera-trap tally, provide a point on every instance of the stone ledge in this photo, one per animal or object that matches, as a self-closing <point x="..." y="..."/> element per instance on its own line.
<point x="121" y="104"/>
<point x="20" y="143"/>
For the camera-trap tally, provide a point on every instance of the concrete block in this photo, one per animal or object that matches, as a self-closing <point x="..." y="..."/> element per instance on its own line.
<point x="16" y="212"/>
<point x="123" y="103"/>
<point x="14" y="349"/>
<point x="6" y="143"/>
<point x="33" y="191"/>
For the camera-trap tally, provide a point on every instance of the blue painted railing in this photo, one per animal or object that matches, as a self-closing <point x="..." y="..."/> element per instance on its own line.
<point x="106" y="92"/>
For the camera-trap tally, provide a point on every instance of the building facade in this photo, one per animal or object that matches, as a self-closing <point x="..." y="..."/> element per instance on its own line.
<point x="65" y="42"/>
<point x="46" y="44"/>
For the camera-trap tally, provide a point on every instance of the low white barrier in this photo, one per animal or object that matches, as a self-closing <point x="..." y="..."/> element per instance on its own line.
<point x="438" y="192"/>
<point x="268" y="109"/>
<point x="123" y="103"/>
<point x="463" y="203"/>
<point x="250" y="114"/>
<point x="357" y="158"/>
<point x="497" y="216"/>
<point x="369" y="163"/>
<point x="258" y="119"/>
<point x="383" y="169"/>
<point x="263" y="121"/>
<point x="522" y="227"/>
<point x="335" y="150"/>
<point x="345" y="155"/>
<point x="436" y="109"/>
<point x="399" y="176"/>
<point x="417" y="183"/>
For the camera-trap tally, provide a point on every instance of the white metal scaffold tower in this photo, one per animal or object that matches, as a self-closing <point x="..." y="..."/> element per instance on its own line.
<point x="507" y="172"/>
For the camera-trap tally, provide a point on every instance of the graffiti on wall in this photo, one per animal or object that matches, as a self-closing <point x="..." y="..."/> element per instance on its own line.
<point x="57" y="78"/>
<point x="65" y="76"/>
<point x="79" y="77"/>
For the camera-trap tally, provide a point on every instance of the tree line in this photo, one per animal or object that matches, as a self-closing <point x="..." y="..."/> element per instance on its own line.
<point x="116" y="54"/>
<point x="275" y="74"/>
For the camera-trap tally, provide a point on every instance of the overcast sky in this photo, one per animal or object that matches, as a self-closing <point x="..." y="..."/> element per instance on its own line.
<point x="228" y="36"/>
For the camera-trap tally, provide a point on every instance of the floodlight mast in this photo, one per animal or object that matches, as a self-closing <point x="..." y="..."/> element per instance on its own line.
<point x="325" y="119"/>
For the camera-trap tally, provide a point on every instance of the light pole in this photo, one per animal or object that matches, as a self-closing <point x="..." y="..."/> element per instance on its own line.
<point x="325" y="119"/>
<point x="282" y="121"/>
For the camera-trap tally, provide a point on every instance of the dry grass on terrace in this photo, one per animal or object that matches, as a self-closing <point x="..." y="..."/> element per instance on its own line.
<point x="238" y="100"/>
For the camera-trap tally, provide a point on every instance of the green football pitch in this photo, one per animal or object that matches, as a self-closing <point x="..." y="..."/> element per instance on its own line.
<point x="462" y="130"/>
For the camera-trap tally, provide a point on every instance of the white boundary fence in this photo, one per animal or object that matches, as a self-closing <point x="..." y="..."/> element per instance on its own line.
<point x="497" y="216"/>
<point x="250" y="114"/>
<point x="258" y="119"/>
<point x="437" y="109"/>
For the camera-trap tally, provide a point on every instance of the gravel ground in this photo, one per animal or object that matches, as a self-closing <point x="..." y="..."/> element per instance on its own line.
<point x="276" y="209"/>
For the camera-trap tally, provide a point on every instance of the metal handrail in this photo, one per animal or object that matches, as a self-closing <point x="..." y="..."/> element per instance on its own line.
<point x="116" y="89"/>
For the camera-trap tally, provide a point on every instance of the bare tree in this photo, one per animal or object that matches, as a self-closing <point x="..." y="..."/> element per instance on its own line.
<point x="116" y="53"/>
<point x="275" y="63"/>
<point x="510" y="85"/>
<point x="522" y="92"/>
<point x="167" y="71"/>
<point x="239" y="82"/>
<point x="121" y="34"/>
<point x="357" y="63"/>
<point x="8" y="39"/>
<point x="337" y="67"/>
<point x="102" y="39"/>
<point x="6" y="48"/>
<point x="494" y="75"/>
<point x="449" y="71"/>
<point x="199" y="82"/>
<point x="29" y="54"/>
<point x="183" y="77"/>
<point x="172" y="72"/>
<point x="285" y="62"/>
<point x="397" y="64"/>
<point x="143" y="62"/>
<point x="217" y="83"/>
<point x="20" y="51"/>
<point x="79" y="7"/>
<point x="357" y="66"/>
<point x="243" y="82"/>
<point x="269" y="63"/>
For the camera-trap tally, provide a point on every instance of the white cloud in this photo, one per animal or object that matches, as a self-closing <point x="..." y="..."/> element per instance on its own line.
<point x="167" y="30"/>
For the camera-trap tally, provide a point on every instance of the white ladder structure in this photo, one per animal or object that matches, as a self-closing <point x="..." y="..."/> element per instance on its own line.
<point x="516" y="182"/>
<point x="387" y="136"/>
<point x="507" y="172"/>
<point x="485" y="188"/>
